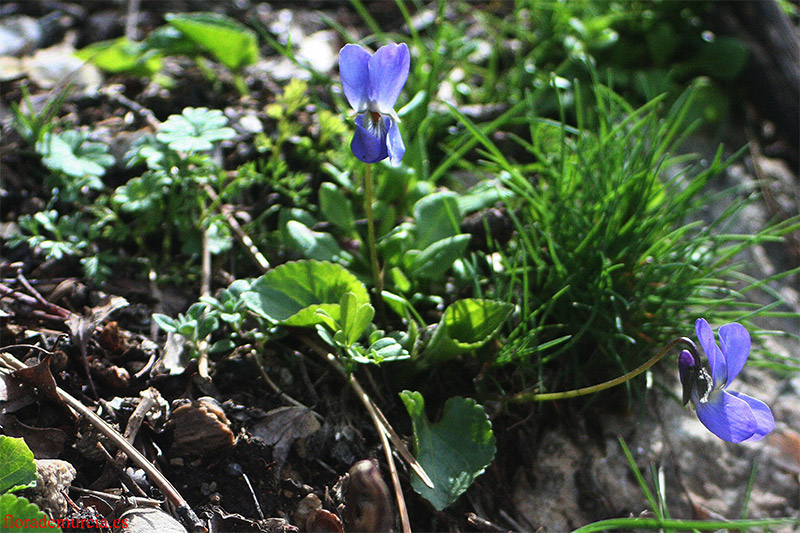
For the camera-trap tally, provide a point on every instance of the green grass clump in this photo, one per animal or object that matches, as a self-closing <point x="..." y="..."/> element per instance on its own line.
<point x="610" y="260"/>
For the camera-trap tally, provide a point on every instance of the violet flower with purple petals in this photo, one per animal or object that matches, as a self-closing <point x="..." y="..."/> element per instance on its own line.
<point x="730" y="415"/>
<point x="372" y="83"/>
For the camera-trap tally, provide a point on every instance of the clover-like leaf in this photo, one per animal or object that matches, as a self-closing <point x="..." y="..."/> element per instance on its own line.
<point x="195" y="130"/>
<point x="71" y="153"/>
<point x="454" y="451"/>
<point x="142" y="193"/>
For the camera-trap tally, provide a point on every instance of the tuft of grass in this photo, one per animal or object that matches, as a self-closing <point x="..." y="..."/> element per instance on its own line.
<point x="610" y="260"/>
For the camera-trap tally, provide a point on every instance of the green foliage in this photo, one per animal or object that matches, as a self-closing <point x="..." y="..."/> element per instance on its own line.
<point x="33" y="127"/>
<point x="454" y="451"/>
<point x="229" y="306"/>
<point x="604" y="263"/>
<point x="166" y="201"/>
<point x="143" y="193"/>
<point x="194" y="130"/>
<point x="336" y="207"/>
<point x="77" y="163"/>
<point x="191" y="34"/>
<point x="294" y="293"/>
<point x="231" y="43"/>
<point x="288" y="137"/>
<point x="195" y="325"/>
<point x="17" y="469"/>
<point x="17" y="472"/>
<point x="53" y="235"/>
<point x="423" y="250"/>
<point x="169" y="198"/>
<point x="122" y="56"/>
<point x="436" y="258"/>
<point x="355" y="319"/>
<point x="619" y="272"/>
<point x="17" y="508"/>
<point x="465" y="326"/>
<point x="437" y="216"/>
<point x="312" y="244"/>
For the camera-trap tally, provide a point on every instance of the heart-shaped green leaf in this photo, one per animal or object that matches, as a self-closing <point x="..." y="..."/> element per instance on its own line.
<point x="454" y="451"/>
<point x="292" y="293"/>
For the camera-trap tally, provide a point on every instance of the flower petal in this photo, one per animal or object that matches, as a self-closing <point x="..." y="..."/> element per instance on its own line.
<point x="726" y="416"/>
<point x="716" y="361"/>
<point x="366" y="146"/>
<point x="765" y="422"/>
<point x="354" y="71"/>
<point x="388" y="72"/>
<point x="735" y="341"/>
<point x="687" y="369"/>
<point x="394" y="143"/>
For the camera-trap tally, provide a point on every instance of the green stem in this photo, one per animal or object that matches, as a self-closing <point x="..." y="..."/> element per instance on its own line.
<point x="545" y="396"/>
<point x="373" y="252"/>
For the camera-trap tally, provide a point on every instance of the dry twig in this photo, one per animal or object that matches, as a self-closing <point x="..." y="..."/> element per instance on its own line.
<point x="183" y="510"/>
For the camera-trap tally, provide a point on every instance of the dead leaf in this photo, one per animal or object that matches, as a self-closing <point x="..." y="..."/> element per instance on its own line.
<point x="111" y="337"/>
<point x="14" y="394"/>
<point x="45" y="443"/>
<point x="82" y="327"/>
<point x="284" y="425"/>
<point x="200" y="428"/>
<point x="40" y="378"/>
<point x="172" y="360"/>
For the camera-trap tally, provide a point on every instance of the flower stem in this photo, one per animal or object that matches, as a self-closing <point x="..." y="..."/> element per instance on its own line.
<point x="373" y="253"/>
<point x="545" y="396"/>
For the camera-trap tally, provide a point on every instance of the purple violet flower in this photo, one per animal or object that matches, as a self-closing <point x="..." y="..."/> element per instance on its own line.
<point x="730" y="415"/>
<point x="372" y="83"/>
